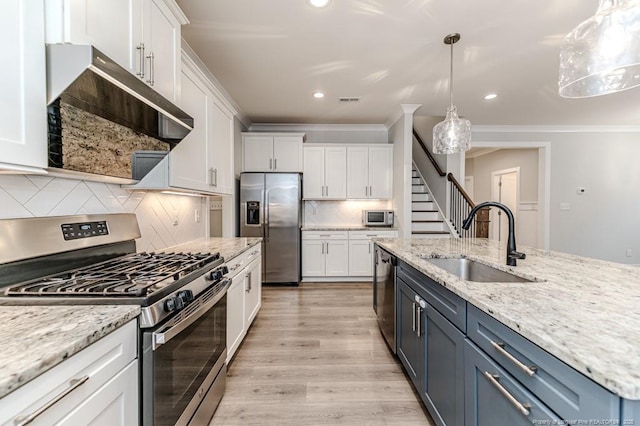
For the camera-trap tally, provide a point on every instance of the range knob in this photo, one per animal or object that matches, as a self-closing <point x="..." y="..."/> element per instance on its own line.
<point x="214" y="275"/>
<point x="185" y="296"/>
<point x="170" y="304"/>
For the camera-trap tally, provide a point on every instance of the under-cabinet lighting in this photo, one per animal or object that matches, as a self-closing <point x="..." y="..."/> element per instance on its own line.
<point x="188" y="194"/>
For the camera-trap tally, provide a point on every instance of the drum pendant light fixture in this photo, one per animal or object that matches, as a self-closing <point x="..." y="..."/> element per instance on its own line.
<point x="453" y="134"/>
<point x="602" y="54"/>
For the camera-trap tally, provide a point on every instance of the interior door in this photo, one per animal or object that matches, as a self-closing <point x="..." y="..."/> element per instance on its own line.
<point x="505" y="190"/>
<point x="282" y="227"/>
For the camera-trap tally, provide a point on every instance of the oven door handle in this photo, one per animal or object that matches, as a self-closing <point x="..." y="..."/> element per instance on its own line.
<point x="164" y="335"/>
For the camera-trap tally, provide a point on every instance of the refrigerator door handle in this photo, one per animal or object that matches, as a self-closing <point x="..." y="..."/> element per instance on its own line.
<point x="266" y="216"/>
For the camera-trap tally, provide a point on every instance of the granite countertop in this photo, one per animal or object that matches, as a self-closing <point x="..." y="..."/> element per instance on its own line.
<point x="583" y="311"/>
<point x="348" y="228"/>
<point x="228" y="247"/>
<point x="39" y="337"/>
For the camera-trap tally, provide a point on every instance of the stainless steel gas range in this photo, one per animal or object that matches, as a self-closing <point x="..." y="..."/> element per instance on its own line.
<point x="92" y="259"/>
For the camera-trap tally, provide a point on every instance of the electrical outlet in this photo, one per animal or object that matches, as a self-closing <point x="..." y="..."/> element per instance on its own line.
<point x="629" y="253"/>
<point x="175" y="218"/>
<point x="580" y="190"/>
<point x="196" y="215"/>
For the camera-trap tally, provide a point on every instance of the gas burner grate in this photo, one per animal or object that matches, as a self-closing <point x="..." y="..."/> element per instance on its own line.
<point x="133" y="275"/>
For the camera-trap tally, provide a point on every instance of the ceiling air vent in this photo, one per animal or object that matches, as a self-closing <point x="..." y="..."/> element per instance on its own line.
<point x="349" y="99"/>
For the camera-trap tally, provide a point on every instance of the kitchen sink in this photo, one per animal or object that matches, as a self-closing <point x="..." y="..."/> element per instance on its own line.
<point x="470" y="270"/>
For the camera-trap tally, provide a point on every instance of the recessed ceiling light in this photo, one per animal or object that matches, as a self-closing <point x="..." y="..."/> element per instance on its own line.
<point x="318" y="3"/>
<point x="490" y="96"/>
<point x="318" y="95"/>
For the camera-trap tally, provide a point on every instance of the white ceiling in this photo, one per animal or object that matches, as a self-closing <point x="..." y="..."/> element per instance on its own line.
<point x="271" y="55"/>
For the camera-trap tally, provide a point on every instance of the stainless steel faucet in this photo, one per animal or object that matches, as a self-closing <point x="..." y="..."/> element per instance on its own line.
<point x="512" y="254"/>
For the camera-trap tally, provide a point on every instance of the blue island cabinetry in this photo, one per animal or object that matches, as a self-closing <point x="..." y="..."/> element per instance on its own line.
<point x="471" y="369"/>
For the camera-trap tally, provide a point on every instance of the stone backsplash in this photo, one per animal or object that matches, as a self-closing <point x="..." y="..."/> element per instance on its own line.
<point x="92" y="144"/>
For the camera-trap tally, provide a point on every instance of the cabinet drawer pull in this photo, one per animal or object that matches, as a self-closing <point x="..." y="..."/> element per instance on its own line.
<point x="270" y="163"/>
<point x="413" y="325"/>
<point x="234" y="267"/>
<point x="530" y="371"/>
<point x="73" y="385"/>
<point x="493" y="378"/>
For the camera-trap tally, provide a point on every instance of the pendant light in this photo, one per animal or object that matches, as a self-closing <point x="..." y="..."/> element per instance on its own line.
<point x="602" y="54"/>
<point x="453" y="134"/>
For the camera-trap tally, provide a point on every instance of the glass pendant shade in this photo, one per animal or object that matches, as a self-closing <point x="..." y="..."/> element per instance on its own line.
<point x="452" y="135"/>
<point x="602" y="54"/>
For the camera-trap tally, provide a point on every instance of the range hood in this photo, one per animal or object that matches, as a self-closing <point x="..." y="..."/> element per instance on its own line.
<point x="100" y="116"/>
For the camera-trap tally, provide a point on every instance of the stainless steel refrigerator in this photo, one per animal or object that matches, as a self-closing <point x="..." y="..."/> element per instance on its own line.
<point x="270" y="208"/>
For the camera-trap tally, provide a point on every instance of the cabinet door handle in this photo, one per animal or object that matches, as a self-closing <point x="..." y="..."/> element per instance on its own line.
<point x="151" y="58"/>
<point x="499" y="346"/>
<point x="366" y="191"/>
<point x="215" y="175"/>
<point x="413" y="325"/>
<point x="211" y="176"/>
<point x="419" y="321"/>
<point x="327" y="190"/>
<point x="73" y="385"/>
<point x="371" y="191"/>
<point x="322" y="247"/>
<point x="275" y="164"/>
<point x="141" y="57"/>
<point x="270" y="163"/>
<point x="493" y="378"/>
<point x="248" y="277"/>
<point x="369" y="248"/>
<point x="327" y="243"/>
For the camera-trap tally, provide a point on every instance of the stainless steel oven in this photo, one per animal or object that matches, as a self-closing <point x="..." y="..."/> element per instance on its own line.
<point x="92" y="259"/>
<point x="181" y="360"/>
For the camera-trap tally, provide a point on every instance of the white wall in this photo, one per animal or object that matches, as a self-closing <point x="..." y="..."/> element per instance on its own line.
<point x="35" y="196"/>
<point x="481" y="168"/>
<point x="603" y="222"/>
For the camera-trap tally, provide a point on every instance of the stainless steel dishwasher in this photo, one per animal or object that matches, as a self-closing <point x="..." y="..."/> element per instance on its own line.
<point x="384" y="295"/>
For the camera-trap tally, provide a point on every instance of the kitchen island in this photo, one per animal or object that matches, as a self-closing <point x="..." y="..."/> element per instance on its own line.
<point x="584" y="312"/>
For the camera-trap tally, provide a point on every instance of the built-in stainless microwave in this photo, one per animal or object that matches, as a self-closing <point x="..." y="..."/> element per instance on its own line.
<point x="377" y="217"/>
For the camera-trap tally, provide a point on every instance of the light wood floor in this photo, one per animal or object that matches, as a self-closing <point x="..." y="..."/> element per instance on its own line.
<point x="315" y="356"/>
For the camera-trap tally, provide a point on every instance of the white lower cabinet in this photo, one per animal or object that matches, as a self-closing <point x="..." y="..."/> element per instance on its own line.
<point x="98" y="385"/>
<point x="325" y="254"/>
<point x="253" y="291"/>
<point x="339" y="255"/>
<point x="235" y="315"/>
<point x="244" y="296"/>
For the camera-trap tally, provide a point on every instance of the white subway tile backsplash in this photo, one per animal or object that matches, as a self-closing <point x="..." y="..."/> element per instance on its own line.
<point x="34" y="196"/>
<point x="339" y="213"/>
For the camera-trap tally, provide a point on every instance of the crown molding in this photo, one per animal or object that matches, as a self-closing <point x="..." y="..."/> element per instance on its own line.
<point x="555" y="128"/>
<point x="284" y="127"/>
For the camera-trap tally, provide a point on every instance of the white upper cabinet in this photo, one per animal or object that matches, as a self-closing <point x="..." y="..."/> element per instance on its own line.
<point x="381" y="172"/>
<point x="23" y="128"/>
<point x="325" y="171"/>
<point x="143" y="36"/>
<point x="189" y="161"/>
<point x="161" y="38"/>
<point x="272" y="152"/>
<point x="220" y="147"/>
<point x="370" y="172"/>
<point x="203" y="160"/>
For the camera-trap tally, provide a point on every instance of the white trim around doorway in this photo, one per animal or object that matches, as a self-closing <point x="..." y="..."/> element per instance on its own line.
<point x="544" y="179"/>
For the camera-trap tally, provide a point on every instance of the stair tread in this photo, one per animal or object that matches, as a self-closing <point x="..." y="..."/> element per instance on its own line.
<point x="427" y="221"/>
<point x="421" y="201"/>
<point x="424" y="211"/>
